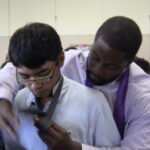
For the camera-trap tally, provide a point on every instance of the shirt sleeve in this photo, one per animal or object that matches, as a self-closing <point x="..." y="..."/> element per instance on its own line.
<point x="8" y="83"/>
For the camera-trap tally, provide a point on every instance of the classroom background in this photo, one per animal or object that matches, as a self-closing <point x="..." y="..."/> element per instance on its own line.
<point x="76" y="21"/>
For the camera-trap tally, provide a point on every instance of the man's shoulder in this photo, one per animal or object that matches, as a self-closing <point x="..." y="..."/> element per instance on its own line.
<point x="138" y="87"/>
<point x="138" y="76"/>
<point x="71" y="55"/>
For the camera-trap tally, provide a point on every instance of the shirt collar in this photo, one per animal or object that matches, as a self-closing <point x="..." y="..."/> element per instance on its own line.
<point x="56" y="85"/>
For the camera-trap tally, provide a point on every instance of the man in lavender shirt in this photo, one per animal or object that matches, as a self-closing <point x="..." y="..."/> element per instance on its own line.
<point x="108" y="67"/>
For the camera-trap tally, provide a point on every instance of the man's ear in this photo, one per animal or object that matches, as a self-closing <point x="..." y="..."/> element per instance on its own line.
<point x="61" y="58"/>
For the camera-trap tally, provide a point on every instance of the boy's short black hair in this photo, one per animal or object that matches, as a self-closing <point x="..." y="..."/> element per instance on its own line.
<point x="33" y="45"/>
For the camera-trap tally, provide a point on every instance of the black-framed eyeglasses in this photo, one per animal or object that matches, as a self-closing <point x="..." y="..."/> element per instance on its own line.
<point x="42" y="79"/>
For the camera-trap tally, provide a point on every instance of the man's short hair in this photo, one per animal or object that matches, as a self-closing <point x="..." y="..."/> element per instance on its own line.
<point x="33" y="45"/>
<point x="122" y="34"/>
<point x="144" y="64"/>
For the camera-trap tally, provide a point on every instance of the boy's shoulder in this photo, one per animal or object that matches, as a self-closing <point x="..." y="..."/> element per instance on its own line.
<point x="84" y="92"/>
<point x="22" y="97"/>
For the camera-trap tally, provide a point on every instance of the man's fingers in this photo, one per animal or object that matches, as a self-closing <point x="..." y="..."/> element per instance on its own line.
<point x="56" y="137"/>
<point x="52" y="138"/>
<point x="43" y="137"/>
<point x="4" y="125"/>
<point x="7" y="119"/>
<point x="54" y="133"/>
<point x="6" y="112"/>
<point x="46" y="139"/>
<point x="8" y="122"/>
<point x="11" y="118"/>
<point x="58" y="128"/>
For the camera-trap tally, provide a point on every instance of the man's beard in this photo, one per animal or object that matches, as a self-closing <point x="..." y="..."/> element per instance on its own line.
<point x="98" y="80"/>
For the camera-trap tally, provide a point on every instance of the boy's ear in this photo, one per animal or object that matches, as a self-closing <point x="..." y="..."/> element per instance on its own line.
<point x="61" y="58"/>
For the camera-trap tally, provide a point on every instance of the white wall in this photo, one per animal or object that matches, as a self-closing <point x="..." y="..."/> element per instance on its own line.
<point x="73" y="19"/>
<point x="139" y="10"/>
<point x="27" y="11"/>
<point x="78" y="17"/>
<point x="4" y="18"/>
<point x="71" y="16"/>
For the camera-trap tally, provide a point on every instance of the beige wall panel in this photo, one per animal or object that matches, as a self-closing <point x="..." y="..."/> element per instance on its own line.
<point x="3" y="48"/>
<point x="26" y="11"/>
<point x="139" y="10"/>
<point x="78" y="16"/>
<point x="4" y="18"/>
<point x="145" y="47"/>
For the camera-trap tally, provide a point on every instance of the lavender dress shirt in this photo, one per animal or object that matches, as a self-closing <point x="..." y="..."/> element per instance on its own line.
<point x="137" y="102"/>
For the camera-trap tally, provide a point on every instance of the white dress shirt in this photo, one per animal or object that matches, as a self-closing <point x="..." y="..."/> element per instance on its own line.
<point x="80" y="110"/>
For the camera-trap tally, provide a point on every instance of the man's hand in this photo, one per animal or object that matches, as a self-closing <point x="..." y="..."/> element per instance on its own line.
<point x="58" y="138"/>
<point x="7" y="118"/>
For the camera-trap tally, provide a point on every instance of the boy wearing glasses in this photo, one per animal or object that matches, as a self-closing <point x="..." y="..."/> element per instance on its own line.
<point x="36" y="51"/>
